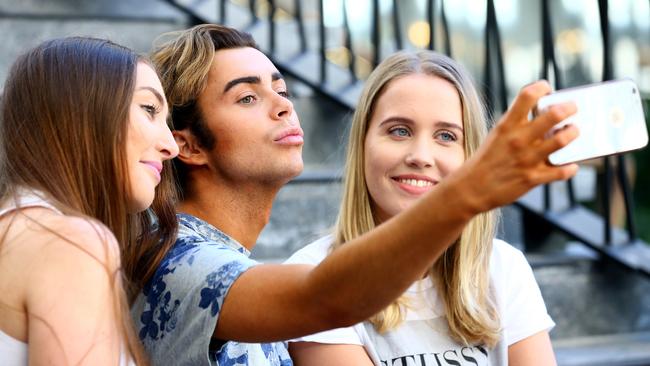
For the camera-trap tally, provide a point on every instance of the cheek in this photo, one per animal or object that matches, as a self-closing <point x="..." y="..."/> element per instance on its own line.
<point x="451" y="160"/>
<point x="379" y="162"/>
<point x="234" y="132"/>
<point x="139" y="135"/>
<point x="235" y="145"/>
<point x="374" y="165"/>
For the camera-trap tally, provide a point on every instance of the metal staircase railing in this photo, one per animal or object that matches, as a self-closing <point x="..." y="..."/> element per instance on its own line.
<point x="309" y="63"/>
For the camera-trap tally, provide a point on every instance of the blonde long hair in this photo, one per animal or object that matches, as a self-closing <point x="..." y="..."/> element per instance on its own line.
<point x="462" y="272"/>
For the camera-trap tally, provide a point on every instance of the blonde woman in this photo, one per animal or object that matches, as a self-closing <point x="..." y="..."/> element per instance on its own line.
<point x="418" y="120"/>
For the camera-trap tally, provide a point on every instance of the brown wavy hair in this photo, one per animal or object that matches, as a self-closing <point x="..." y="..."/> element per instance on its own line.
<point x="65" y="113"/>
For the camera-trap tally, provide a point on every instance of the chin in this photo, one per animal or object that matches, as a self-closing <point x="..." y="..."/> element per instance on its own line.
<point x="294" y="171"/>
<point x="138" y="207"/>
<point x="140" y="203"/>
<point x="293" y="166"/>
<point x="287" y="174"/>
<point x="298" y="168"/>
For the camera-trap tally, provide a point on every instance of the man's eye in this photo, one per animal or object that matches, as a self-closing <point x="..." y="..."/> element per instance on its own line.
<point x="249" y="99"/>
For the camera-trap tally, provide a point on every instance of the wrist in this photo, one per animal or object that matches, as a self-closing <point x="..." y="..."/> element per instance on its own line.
<point x="470" y="199"/>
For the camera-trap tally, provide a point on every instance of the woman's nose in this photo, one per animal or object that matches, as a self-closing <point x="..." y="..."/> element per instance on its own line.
<point x="420" y="155"/>
<point x="167" y="145"/>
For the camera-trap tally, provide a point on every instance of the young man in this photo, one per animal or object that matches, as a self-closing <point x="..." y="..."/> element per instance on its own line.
<point x="240" y="141"/>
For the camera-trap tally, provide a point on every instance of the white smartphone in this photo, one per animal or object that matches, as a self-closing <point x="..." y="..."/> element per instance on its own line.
<point x="609" y="117"/>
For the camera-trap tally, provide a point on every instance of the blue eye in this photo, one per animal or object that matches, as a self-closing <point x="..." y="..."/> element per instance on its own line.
<point x="400" y="132"/>
<point x="447" y="136"/>
<point x="285" y="93"/>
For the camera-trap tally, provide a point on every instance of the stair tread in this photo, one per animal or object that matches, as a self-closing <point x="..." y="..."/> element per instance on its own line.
<point x="146" y="9"/>
<point x="610" y="349"/>
<point x="587" y="226"/>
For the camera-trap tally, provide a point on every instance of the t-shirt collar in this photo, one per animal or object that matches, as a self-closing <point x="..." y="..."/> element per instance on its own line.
<point x="208" y="232"/>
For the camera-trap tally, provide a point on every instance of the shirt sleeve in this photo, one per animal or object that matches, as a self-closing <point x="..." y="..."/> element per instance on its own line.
<point x="346" y="335"/>
<point x="523" y="311"/>
<point x="313" y="254"/>
<point x="182" y="302"/>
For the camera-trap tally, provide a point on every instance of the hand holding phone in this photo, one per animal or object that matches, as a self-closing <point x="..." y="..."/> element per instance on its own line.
<point x="609" y="117"/>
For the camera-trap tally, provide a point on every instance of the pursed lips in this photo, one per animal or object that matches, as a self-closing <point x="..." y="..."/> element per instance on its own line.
<point x="290" y="136"/>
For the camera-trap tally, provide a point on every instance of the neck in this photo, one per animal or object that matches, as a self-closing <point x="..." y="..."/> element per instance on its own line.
<point x="239" y="210"/>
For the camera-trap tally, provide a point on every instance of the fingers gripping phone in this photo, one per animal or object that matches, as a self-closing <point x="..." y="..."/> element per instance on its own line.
<point x="609" y="117"/>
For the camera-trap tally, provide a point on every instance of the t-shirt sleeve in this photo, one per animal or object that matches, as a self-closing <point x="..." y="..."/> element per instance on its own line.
<point x="313" y="254"/>
<point x="523" y="312"/>
<point x="183" y="300"/>
<point x="346" y="335"/>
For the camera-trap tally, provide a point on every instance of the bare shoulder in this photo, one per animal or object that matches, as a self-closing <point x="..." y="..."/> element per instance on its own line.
<point x="50" y="254"/>
<point x="69" y="260"/>
<point x="70" y="274"/>
<point x="46" y="233"/>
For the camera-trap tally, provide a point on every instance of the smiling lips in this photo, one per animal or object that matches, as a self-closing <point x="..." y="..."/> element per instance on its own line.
<point x="156" y="167"/>
<point x="290" y="136"/>
<point x="414" y="184"/>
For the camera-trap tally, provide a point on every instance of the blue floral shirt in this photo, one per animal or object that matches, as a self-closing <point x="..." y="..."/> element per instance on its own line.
<point x="177" y="311"/>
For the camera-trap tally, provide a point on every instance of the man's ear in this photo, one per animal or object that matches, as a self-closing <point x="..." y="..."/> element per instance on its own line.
<point x="189" y="151"/>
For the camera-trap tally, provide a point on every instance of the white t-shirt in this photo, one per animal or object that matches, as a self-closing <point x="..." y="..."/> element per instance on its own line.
<point x="423" y="338"/>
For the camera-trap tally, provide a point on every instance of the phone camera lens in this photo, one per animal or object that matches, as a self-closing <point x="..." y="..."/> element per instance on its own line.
<point x="633" y="90"/>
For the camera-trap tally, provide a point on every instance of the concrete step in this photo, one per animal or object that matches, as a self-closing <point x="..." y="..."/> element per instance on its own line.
<point x="154" y="10"/>
<point x="301" y="213"/>
<point x="26" y="24"/>
<point x="627" y="349"/>
<point x="587" y="297"/>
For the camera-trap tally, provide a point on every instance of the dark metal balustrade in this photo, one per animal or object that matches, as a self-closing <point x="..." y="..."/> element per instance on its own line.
<point x="309" y="64"/>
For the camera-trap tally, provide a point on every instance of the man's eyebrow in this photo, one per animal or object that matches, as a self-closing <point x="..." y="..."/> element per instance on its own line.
<point x="245" y="79"/>
<point x="155" y="92"/>
<point x="276" y="76"/>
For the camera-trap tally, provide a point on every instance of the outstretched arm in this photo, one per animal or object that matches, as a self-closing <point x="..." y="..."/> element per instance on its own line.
<point x="275" y="302"/>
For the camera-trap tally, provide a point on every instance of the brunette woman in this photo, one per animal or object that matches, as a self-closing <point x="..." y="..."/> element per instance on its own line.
<point x="83" y="138"/>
